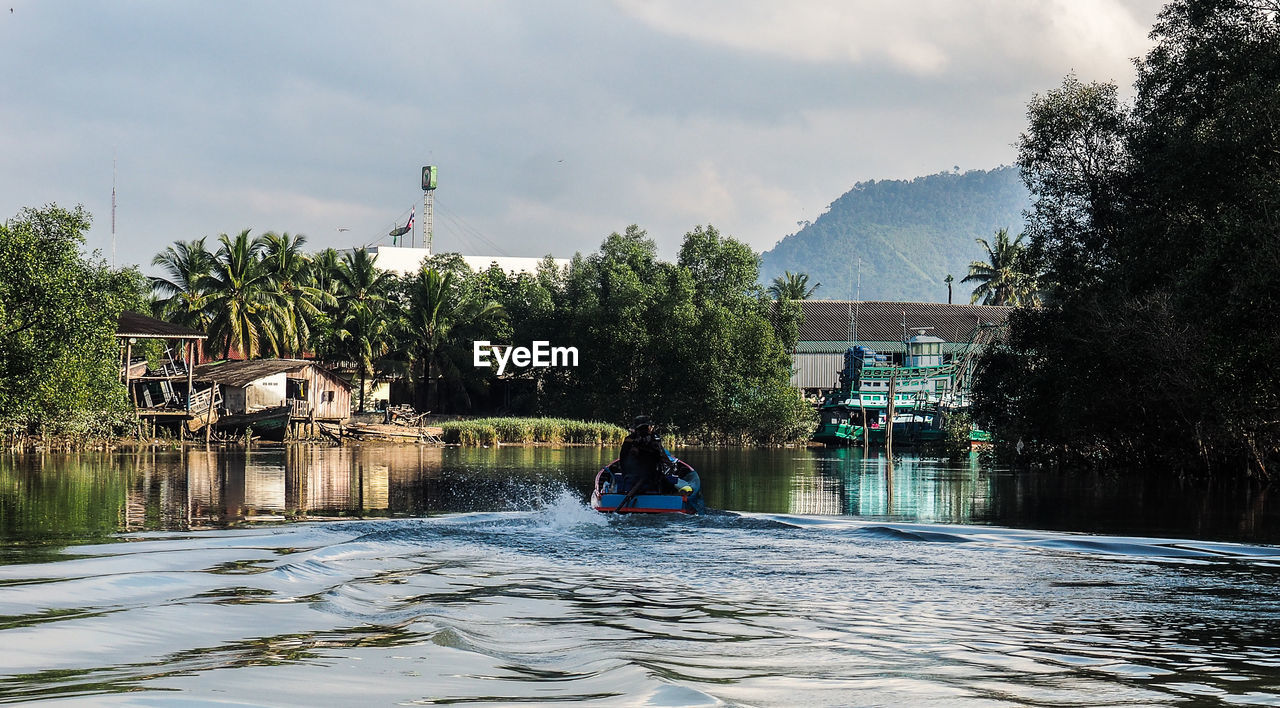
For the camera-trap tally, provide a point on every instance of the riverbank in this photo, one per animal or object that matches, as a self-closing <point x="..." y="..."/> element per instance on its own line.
<point x="529" y="431"/>
<point x="474" y="432"/>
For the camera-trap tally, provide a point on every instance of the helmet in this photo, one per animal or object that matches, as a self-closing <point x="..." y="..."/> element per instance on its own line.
<point x="640" y="422"/>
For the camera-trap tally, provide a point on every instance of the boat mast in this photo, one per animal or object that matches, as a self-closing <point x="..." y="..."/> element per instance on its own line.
<point x="857" y="297"/>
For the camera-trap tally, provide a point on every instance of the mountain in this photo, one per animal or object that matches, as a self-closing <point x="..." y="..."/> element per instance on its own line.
<point x="909" y="234"/>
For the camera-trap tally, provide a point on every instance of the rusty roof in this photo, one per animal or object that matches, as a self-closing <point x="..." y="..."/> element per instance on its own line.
<point x="134" y="324"/>
<point x="879" y="321"/>
<point x="243" y="373"/>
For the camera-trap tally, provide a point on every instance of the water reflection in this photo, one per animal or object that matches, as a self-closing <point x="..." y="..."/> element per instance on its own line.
<point x="53" y="497"/>
<point x="845" y="482"/>
<point x="212" y="488"/>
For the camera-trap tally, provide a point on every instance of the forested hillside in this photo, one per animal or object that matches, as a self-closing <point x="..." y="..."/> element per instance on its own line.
<point x="909" y="234"/>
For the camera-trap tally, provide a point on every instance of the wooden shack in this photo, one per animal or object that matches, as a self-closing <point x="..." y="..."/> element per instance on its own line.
<point x="163" y="395"/>
<point x="272" y="394"/>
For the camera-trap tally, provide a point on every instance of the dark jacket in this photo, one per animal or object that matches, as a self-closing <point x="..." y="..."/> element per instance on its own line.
<point x="644" y="461"/>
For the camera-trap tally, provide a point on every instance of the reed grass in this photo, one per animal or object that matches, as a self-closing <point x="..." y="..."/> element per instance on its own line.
<point x="526" y="431"/>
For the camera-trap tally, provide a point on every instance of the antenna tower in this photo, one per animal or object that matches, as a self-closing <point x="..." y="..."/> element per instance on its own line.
<point x="428" y="204"/>
<point x="113" y="211"/>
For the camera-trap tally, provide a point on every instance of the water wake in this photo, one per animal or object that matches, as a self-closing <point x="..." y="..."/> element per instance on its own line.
<point x="552" y="601"/>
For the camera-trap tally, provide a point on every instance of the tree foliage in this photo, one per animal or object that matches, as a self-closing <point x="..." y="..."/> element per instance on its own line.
<point x="1157" y="228"/>
<point x="1007" y="276"/>
<point x="792" y="286"/>
<point x="695" y="343"/>
<point x="59" y="359"/>
<point x="440" y="320"/>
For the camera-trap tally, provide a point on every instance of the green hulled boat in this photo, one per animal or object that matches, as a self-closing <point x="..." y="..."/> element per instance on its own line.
<point x="916" y="395"/>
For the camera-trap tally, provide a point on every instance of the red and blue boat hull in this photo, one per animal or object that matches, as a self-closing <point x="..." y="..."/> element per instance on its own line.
<point x="606" y="496"/>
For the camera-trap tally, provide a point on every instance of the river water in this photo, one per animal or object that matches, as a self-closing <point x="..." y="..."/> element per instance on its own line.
<point x="381" y="575"/>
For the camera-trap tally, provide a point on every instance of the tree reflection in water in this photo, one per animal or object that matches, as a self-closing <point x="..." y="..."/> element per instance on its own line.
<point x="48" y="498"/>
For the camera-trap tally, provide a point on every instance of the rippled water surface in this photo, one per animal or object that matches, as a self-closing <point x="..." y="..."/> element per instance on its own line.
<point x="484" y="579"/>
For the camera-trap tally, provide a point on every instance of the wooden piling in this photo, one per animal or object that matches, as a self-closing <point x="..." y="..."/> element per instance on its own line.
<point x="866" y="433"/>
<point x="208" y="417"/>
<point x="888" y="431"/>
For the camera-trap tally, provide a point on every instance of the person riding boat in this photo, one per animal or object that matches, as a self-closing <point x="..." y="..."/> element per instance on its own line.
<point x="645" y="464"/>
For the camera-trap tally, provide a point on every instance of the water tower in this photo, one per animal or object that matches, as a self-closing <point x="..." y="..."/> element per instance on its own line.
<point x="428" y="203"/>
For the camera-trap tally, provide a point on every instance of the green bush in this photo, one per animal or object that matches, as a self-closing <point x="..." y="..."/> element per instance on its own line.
<point x="523" y="431"/>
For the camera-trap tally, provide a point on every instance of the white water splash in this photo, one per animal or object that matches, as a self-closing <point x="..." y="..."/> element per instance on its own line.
<point x="566" y="511"/>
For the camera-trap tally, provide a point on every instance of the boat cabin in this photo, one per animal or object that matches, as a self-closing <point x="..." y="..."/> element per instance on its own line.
<point x="924" y="350"/>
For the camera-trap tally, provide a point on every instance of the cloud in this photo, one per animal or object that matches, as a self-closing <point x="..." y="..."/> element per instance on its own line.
<point x="747" y="115"/>
<point x="924" y="37"/>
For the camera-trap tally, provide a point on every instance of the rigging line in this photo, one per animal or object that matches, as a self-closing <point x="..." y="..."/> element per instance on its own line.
<point x="493" y="246"/>
<point x="480" y="235"/>
<point x="396" y="224"/>
<point x="458" y="234"/>
<point x="473" y="238"/>
<point x="454" y="229"/>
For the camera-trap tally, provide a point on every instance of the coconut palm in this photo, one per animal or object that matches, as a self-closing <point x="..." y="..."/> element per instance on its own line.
<point x="1006" y="277"/>
<point x="366" y="335"/>
<point x="439" y="310"/>
<point x="792" y="286"/>
<point x="361" y="318"/>
<point x="359" y="280"/>
<point x="186" y="264"/>
<point x="324" y="270"/>
<point x="290" y="272"/>
<point x="242" y="298"/>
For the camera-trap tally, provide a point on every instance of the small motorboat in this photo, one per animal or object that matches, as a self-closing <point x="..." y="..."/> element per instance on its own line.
<point x="609" y="494"/>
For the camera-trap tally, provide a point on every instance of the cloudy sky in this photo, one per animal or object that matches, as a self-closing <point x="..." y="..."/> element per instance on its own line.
<point x="552" y="123"/>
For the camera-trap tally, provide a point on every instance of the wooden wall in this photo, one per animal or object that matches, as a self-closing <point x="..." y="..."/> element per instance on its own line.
<point x="336" y="405"/>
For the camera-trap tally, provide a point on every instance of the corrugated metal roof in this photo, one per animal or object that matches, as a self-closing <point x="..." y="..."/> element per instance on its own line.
<point x="243" y="373"/>
<point x="879" y="321"/>
<point x="840" y="345"/>
<point x="133" y="324"/>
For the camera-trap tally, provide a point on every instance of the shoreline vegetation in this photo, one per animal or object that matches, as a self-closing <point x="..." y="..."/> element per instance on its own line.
<point x="472" y="432"/>
<point x="475" y="432"/>
<point x="1154" y="233"/>
<point x="531" y="431"/>
<point x="696" y="343"/>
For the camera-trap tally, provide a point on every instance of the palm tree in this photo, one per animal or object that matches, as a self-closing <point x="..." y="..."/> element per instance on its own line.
<point x="367" y="334"/>
<point x="439" y="309"/>
<point x="244" y="302"/>
<point x="290" y="272"/>
<point x="792" y="286"/>
<point x="1007" y="276"/>
<point x="187" y="264"/>
<point x="359" y="280"/>
<point x="324" y="270"/>
<point x="361" y="310"/>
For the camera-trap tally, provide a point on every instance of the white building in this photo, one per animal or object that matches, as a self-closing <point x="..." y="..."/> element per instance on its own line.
<point x="404" y="260"/>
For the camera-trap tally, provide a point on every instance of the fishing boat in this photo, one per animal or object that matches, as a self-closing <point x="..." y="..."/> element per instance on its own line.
<point x="914" y="397"/>
<point x="609" y="495"/>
